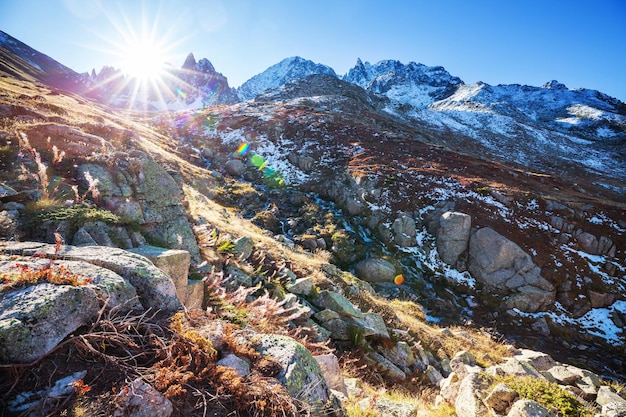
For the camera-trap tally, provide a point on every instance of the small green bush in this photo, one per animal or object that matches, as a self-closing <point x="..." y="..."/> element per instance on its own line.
<point x="548" y="394"/>
<point x="226" y="247"/>
<point x="483" y="191"/>
<point x="79" y="215"/>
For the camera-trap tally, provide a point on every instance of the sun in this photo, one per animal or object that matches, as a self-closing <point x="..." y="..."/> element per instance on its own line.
<point x="143" y="60"/>
<point x="142" y="76"/>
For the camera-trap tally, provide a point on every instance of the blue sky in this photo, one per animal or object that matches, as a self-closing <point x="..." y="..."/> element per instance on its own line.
<point x="579" y="43"/>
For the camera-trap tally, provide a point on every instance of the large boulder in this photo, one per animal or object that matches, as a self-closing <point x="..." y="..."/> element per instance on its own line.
<point x="467" y="403"/>
<point x="174" y="262"/>
<point x="371" y="324"/>
<point x="331" y="370"/>
<point x="606" y="396"/>
<point x="504" y="269"/>
<point x="300" y="374"/>
<point x="404" y="231"/>
<point x="33" y="320"/>
<point x="453" y="235"/>
<point x="111" y="288"/>
<point x="375" y="270"/>
<point x="337" y="303"/>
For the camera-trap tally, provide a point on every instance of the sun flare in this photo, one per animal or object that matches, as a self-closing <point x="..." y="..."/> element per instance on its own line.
<point x="142" y="77"/>
<point x="143" y="60"/>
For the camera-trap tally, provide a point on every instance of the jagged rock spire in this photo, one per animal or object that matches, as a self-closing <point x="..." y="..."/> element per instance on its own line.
<point x="190" y="62"/>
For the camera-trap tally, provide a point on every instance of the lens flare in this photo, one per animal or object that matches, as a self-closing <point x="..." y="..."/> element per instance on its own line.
<point x="243" y="148"/>
<point x="257" y="160"/>
<point x="269" y="173"/>
<point x="398" y="280"/>
<point x="181" y="93"/>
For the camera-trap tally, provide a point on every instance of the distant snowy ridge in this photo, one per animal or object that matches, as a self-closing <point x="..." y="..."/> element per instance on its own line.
<point x="415" y="84"/>
<point x="287" y="70"/>
<point x="553" y="104"/>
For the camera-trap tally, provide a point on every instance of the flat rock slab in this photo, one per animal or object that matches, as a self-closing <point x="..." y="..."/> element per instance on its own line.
<point x="112" y="289"/>
<point x="154" y="287"/>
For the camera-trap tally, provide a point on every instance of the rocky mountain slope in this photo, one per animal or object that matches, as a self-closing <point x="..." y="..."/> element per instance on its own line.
<point x="353" y="220"/>
<point x="393" y="183"/>
<point x="21" y="61"/>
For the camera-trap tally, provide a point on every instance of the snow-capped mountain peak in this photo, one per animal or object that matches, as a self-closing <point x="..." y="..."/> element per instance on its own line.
<point x="288" y="69"/>
<point x="554" y="85"/>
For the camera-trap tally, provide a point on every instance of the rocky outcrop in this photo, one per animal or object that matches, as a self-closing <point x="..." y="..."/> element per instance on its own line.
<point x="200" y="84"/>
<point x="472" y="391"/>
<point x="175" y="263"/>
<point x="155" y="289"/>
<point x="34" y="319"/>
<point x="138" y="189"/>
<point x="595" y="245"/>
<point x="503" y="268"/>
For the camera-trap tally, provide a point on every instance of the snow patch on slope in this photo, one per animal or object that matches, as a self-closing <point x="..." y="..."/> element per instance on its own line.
<point x="596" y="322"/>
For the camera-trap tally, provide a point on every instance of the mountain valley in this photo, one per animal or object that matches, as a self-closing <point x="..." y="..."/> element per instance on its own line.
<point x="496" y="212"/>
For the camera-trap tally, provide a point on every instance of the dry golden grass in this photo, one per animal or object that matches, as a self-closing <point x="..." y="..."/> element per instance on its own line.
<point x="227" y="220"/>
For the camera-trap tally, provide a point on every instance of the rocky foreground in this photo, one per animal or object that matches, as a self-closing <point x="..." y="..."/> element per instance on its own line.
<point x="36" y="320"/>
